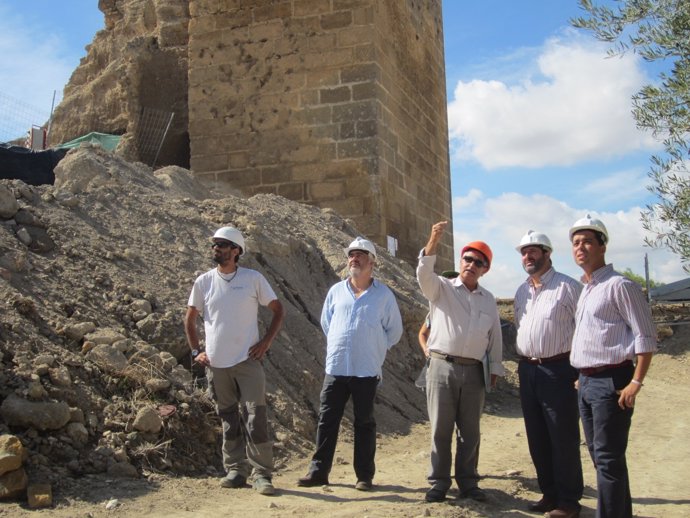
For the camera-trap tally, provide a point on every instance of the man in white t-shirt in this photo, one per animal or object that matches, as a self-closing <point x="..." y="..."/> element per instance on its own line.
<point x="227" y="298"/>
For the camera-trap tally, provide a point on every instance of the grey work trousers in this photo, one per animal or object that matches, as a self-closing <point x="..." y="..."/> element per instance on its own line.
<point x="455" y="396"/>
<point x="240" y="395"/>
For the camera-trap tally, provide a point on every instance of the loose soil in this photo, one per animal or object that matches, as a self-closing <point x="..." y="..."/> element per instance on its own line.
<point x="657" y="460"/>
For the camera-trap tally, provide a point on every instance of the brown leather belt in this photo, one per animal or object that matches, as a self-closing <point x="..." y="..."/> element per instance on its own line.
<point x="454" y="359"/>
<point x="589" y="371"/>
<point x="539" y="361"/>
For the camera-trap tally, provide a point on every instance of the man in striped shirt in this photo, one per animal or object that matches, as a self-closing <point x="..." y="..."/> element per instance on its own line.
<point x="613" y="345"/>
<point x="545" y="319"/>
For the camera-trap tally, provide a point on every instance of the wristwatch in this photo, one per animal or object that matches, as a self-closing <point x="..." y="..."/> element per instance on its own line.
<point x="195" y="353"/>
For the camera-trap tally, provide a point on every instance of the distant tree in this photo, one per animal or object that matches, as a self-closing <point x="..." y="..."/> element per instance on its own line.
<point x="658" y="30"/>
<point x="640" y="280"/>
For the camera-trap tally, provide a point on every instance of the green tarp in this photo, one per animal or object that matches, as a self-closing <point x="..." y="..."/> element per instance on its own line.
<point x="105" y="140"/>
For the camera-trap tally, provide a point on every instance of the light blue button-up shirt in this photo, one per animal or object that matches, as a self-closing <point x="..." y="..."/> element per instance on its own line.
<point x="359" y="331"/>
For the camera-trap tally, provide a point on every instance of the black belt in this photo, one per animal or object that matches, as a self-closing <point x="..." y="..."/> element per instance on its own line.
<point x="589" y="371"/>
<point x="454" y="359"/>
<point x="539" y="361"/>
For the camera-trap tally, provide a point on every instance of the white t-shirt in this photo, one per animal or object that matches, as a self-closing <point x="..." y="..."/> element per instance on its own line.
<point x="229" y="311"/>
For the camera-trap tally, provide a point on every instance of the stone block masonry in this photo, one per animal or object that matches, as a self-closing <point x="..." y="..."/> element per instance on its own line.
<point x="335" y="103"/>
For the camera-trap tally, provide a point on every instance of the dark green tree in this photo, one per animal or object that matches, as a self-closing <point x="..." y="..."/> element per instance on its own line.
<point x="658" y="30"/>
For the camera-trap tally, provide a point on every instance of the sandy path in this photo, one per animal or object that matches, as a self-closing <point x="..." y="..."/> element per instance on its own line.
<point x="658" y="457"/>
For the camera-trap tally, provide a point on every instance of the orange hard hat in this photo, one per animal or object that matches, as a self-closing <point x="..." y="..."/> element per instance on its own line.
<point x="482" y="248"/>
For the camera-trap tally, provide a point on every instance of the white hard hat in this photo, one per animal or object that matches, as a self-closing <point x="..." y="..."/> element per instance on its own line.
<point x="231" y="234"/>
<point x="361" y="244"/>
<point x="589" y="223"/>
<point x="533" y="238"/>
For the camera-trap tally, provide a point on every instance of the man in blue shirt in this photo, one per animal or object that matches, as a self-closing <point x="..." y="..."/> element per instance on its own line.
<point x="361" y="321"/>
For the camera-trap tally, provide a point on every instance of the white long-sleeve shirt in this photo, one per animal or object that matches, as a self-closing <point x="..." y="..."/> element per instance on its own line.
<point x="465" y="323"/>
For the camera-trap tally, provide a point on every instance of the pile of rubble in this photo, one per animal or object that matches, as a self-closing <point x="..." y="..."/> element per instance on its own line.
<point x="95" y="273"/>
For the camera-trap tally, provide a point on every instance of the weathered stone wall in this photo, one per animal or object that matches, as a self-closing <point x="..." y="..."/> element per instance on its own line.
<point x="139" y="61"/>
<point x="337" y="103"/>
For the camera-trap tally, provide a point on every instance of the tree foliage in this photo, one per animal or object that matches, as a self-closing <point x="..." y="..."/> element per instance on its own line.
<point x="641" y="280"/>
<point x="658" y="30"/>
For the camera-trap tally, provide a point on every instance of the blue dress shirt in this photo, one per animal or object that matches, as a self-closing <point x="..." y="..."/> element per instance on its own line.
<point x="359" y="331"/>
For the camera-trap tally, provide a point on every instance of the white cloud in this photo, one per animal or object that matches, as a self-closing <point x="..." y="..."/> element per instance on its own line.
<point x="630" y="184"/>
<point x="578" y="108"/>
<point x="501" y="222"/>
<point x="461" y="203"/>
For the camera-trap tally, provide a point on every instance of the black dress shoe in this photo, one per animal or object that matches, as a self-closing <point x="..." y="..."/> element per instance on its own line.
<point x="435" y="495"/>
<point x="312" y="480"/>
<point x="542" y="506"/>
<point x="364" y="485"/>
<point x="474" y="493"/>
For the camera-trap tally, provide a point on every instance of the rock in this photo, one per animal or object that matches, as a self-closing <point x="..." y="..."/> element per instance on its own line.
<point x="80" y="330"/>
<point x="39" y="495"/>
<point x="157" y="385"/>
<point x="146" y="351"/>
<point x="41" y="369"/>
<point x="36" y="391"/>
<point x="12" y="453"/>
<point x="87" y="346"/>
<point x="148" y="420"/>
<point x="139" y="315"/>
<point x="108" y="358"/>
<point x="120" y="455"/>
<point x="24" y="236"/>
<point x="79" y="172"/>
<point x="66" y="199"/>
<point x="104" y="336"/>
<point x="60" y="377"/>
<point x="76" y="415"/>
<point x="13" y="484"/>
<point x="141" y="305"/>
<point x="26" y="217"/>
<point x="47" y="359"/>
<point x="161" y="330"/>
<point x="123" y="345"/>
<point x="40" y="242"/>
<point x="169" y="361"/>
<point x="180" y="375"/>
<point x="42" y="415"/>
<point x="78" y="433"/>
<point x="8" y="203"/>
<point x="112" y="504"/>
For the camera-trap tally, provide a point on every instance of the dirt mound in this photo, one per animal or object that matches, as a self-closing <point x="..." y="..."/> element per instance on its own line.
<point x="95" y="273"/>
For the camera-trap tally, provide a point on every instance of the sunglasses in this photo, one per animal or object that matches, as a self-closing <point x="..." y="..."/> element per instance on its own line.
<point x="223" y="244"/>
<point x="478" y="262"/>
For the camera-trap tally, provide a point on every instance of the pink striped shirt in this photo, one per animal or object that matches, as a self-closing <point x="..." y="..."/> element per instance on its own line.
<point x="613" y="321"/>
<point x="545" y="316"/>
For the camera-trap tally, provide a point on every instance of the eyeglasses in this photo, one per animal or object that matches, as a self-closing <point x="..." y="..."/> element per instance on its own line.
<point x="223" y="244"/>
<point x="478" y="262"/>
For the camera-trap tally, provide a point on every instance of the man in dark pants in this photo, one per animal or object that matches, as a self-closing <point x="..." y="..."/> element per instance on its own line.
<point x="361" y="320"/>
<point x="545" y="307"/>
<point x="614" y="327"/>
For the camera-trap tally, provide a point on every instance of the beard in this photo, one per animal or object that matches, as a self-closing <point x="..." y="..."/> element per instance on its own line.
<point x="536" y="266"/>
<point x="220" y="258"/>
<point x="355" y="271"/>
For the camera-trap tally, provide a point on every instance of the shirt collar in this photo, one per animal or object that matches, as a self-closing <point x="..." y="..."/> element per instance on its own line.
<point x="546" y="278"/>
<point x="598" y="275"/>
<point x="458" y="284"/>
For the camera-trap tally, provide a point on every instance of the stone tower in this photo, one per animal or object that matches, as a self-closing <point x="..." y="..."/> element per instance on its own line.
<point x="335" y="103"/>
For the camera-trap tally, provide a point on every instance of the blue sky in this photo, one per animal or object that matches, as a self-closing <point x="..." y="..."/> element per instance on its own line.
<point x="540" y="123"/>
